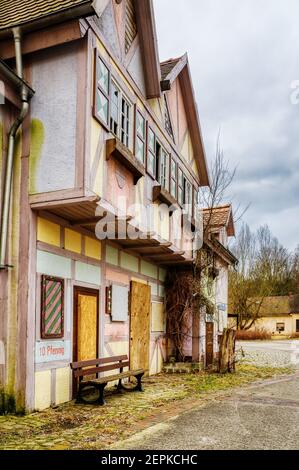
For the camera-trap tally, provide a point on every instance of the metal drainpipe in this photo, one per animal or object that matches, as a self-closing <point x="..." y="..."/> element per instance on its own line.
<point x="10" y="151"/>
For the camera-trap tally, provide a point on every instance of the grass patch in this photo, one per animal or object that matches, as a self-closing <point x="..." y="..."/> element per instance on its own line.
<point x="91" y="427"/>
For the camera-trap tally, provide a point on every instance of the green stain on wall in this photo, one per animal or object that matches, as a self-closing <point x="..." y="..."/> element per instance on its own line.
<point x="37" y="132"/>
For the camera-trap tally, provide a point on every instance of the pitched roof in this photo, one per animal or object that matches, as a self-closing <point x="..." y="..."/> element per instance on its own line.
<point x="18" y="12"/>
<point x="279" y="305"/>
<point x="168" y="66"/>
<point x="179" y="68"/>
<point x="220" y="216"/>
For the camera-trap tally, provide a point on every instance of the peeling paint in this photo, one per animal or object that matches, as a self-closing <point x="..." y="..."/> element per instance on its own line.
<point x="37" y="140"/>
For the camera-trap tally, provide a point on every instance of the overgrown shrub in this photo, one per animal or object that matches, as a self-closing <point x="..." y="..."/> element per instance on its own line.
<point x="250" y="335"/>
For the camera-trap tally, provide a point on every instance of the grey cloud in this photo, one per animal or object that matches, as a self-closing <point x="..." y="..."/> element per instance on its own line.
<point x="244" y="56"/>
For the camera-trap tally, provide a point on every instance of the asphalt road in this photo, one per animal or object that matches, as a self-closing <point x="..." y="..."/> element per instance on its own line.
<point x="263" y="416"/>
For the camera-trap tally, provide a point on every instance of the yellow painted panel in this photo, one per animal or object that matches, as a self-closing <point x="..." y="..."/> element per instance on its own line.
<point x="72" y="240"/>
<point x="158" y="317"/>
<point x="87" y="327"/>
<point x="42" y="391"/>
<point x="48" y="232"/>
<point x="93" y="248"/>
<point x="62" y="385"/>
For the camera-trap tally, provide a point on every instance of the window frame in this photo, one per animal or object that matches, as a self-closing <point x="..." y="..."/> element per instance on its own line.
<point x="137" y="136"/>
<point x="173" y="179"/>
<point x="148" y="150"/>
<point x="163" y="165"/>
<point x="43" y="333"/>
<point x="122" y="96"/>
<point x="98" y="57"/>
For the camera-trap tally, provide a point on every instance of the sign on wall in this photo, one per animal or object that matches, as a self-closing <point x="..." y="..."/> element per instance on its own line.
<point x="50" y="351"/>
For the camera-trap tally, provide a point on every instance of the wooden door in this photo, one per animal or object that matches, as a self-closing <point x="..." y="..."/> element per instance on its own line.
<point x="209" y="344"/>
<point x="140" y="312"/>
<point x="85" y="331"/>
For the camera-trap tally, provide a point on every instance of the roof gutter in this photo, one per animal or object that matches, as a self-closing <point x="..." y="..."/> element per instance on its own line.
<point x="25" y="97"/>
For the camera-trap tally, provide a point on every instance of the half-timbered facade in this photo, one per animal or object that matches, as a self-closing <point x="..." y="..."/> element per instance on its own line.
<point x="109" y="152"/>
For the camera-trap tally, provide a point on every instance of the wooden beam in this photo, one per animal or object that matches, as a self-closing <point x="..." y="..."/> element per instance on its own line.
<point x="166" y="255"/>
<point x="42" y="39"/>
<point x="149" y="45"/>
<point x="149" y="246"/>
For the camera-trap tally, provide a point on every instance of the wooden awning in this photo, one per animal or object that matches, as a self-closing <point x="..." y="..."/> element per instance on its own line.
<point x="81" y="212"/>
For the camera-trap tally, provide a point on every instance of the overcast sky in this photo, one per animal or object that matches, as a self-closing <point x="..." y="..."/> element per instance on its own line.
<point x="244" y="56"/>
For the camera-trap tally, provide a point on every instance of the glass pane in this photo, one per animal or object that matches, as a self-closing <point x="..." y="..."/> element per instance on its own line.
<point x="180" y="195"/>
<point x="151" y="163"/>
<point x="140" y="150"/>
<point x="173" y="188"/>
<point x="151" y="140"/>
<point x="140" y="125"/>
<point x="173" y="168"/>
<point x="103" y="76"/>
<point x="102" y="106"/>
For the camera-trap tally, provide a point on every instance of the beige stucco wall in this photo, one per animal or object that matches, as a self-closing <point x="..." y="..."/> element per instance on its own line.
<point x="269" y="324"/>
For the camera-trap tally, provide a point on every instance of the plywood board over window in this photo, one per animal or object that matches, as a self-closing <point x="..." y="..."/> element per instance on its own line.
<point x="140" y="308"/>
<point x="119" y="303"/>
<point x="52" y="289"/>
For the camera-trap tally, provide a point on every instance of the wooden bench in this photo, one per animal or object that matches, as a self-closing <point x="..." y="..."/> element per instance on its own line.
<point x="84" y="370"/>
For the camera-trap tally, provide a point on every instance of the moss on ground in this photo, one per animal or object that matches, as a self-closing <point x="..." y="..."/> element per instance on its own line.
<point x="89" y="427"/>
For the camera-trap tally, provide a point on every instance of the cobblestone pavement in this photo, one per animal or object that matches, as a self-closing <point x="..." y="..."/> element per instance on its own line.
<point x="73" y="426"/>
<point x="275" y="353"/>
<point x="260" y="417"/>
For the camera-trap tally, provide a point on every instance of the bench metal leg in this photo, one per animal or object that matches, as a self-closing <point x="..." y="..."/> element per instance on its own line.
<point x="101" y="400"/>
<point x="139" y="384"/>
<point x="79" y="399"/>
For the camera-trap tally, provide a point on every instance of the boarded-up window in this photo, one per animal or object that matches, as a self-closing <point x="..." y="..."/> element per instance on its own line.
<point x="131" y="28"/>
<point x="158" y="317"/>
<point x="52" y="307"/>
<point x="119" y="303"/>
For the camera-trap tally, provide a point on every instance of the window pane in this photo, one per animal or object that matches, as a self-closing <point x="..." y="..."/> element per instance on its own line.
<point x="102" y="106"/>
<point x="102" y="76"/>
<point x="140" y="149"/>
<point x="180" y="195"/>
<point x="151" y="163"/>
<point x="125" y="121"/>
<point x="164" y="169"/>
<point x="140" y="126"/>
<point x="173" y="187"/>
<point x="151" y="140"/>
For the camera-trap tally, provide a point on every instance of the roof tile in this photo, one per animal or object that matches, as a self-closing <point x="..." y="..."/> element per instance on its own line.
<point x="17" y="12"/>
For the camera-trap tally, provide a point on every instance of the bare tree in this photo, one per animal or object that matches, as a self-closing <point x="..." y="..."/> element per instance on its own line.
<point x="265" y="268"/>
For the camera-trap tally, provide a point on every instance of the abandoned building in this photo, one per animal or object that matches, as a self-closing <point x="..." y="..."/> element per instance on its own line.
<point x="94" y="129"/>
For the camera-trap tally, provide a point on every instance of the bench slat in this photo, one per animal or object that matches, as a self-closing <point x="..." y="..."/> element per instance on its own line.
<point x="100" y="360"/>
<point x="112" y="378"/>
<point x="97" y="370"/>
